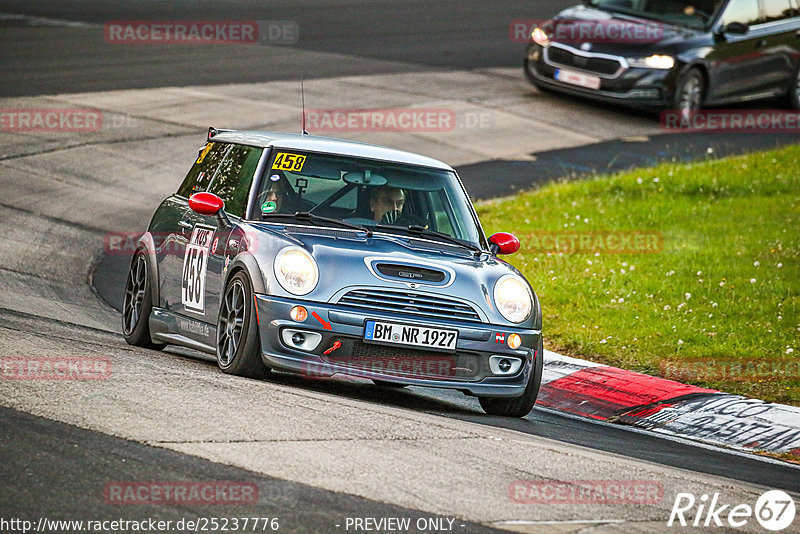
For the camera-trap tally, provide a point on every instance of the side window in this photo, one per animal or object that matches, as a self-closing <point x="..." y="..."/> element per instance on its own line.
<point x="203" y="169"/>
<point x="234" y="177"/>
<point x="777" y="10"/>
<point x="744" y="11"/>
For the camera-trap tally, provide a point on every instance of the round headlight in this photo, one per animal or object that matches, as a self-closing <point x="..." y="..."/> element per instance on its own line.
<point x="296" y="270"/>
<point x="513" y="298"/>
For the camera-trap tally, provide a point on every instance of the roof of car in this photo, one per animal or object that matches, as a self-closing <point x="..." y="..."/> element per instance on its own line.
<point x="329" y="145"/>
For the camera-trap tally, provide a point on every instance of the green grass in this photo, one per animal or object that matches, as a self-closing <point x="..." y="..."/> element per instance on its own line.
<point x="724" y="286"/>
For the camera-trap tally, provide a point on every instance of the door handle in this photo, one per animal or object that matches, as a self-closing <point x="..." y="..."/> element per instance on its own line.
<point x="762" y="43"/>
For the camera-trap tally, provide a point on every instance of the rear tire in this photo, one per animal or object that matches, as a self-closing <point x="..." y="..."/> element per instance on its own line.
<point x="137" y="303"/>
<point x="522" y="405"/>
<point x="238" y="339"/>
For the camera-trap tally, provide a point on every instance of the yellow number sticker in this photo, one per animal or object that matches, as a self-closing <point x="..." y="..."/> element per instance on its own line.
<point x="288" y="162"/>
<point x="203" y="153"/>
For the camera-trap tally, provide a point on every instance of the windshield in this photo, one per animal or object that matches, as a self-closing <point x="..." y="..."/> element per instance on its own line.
<point x="691" y="13"/>
<point x="382" y="196"/>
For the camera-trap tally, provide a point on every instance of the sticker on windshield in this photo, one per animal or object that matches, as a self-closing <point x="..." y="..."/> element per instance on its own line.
<point x="203" y="153"/>
<point x="268" y="207"/>
<point x="288" y="162"/>
<point x="195" y="263"/>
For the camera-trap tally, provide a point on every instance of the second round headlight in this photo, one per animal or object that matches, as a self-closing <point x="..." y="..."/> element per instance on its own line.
<point x="513" y="298"/>
<point x="296" y="271"/>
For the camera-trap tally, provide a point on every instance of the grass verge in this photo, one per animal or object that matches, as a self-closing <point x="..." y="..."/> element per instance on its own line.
<point x="687" y="271"/>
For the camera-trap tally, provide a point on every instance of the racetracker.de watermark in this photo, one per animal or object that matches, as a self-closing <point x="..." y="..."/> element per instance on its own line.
<point x="170" y="32"/>
<point x="427" y="366"/>
<point x="586" y="491"/>
<point x="390" y="120"/>
<point x="578" y="31"/>
<point x="55" y="368"/>
<point x="731" y="121"/>
<point x="50" y="120"/>
<point x="181" y="493"/>
<point x="733" y="370"/>
<point x="619" y="242"/>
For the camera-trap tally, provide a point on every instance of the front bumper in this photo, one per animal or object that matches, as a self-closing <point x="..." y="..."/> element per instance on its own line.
<point x="466" y="370"/>
<point x="633" y="87"/>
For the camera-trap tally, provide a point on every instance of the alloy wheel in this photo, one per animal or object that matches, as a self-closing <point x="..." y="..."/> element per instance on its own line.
<point x="231" y="323"/>
<point x="134" y="294"/>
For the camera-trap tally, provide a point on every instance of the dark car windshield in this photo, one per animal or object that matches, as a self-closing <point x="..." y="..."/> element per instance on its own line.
<point x="381" y="196"/>
<point x="691" y="13"/>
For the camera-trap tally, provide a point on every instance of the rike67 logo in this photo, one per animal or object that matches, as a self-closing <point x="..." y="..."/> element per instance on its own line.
<point x="774" y="511"/>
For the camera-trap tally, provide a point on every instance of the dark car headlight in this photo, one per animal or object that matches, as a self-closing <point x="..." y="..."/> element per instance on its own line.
<point x="513" y="298"/>
<point x="656" y="61"/>
<point x="296" y="270"/>
<point x="540" y="37"/>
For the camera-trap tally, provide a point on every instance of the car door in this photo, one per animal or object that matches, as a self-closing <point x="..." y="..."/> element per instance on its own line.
<point x="232" y="183"/>
<point x="780" y="18"/>
<point x="738" y="64"/>
<point x="174" y="223"/>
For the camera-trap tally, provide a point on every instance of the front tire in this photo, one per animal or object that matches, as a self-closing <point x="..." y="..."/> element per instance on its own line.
<point x="522" y="405"/>
<point x="137" y="304"/>
<point x="689" y="93"/>
<point x="238" y="339"/>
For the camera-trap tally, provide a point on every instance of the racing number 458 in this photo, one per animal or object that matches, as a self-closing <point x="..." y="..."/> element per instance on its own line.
<point x="195" y="263"/>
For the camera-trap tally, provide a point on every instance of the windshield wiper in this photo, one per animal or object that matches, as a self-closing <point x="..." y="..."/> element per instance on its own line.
<point x="421" y="230"/>
<point x="310" y="217"/>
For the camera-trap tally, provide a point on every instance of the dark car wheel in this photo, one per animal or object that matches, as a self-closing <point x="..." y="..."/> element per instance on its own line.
<point x="137" y="305"/>
<point x="689" y="93"/>
<point x="238" y="340"/>
<point x="518" y="406"/>
<point x="793" y="96"/>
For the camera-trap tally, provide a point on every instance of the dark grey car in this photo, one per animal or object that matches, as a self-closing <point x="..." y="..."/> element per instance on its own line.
<point x="320" y="257"/>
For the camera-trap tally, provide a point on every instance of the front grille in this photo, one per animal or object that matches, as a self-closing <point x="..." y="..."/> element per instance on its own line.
<point x="425" y="306"/>
<point x="410" y="363"/>
<point x="598" y="65"/>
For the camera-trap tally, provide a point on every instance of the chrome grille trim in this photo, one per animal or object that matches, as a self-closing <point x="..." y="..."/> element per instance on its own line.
<point x="623" y="63"/>
<point x="409" y="303"/>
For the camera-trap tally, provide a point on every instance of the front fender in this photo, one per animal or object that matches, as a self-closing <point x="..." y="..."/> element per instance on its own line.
<point x="248" y="263"/>
<point x="147" y="244"/>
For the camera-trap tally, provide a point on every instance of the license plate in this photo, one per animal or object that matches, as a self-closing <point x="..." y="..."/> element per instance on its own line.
<point x="411" y="335"/>
<point x="577" y="78"/>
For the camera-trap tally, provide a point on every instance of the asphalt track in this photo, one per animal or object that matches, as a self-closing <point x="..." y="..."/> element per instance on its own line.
<point x="320" y="450"/>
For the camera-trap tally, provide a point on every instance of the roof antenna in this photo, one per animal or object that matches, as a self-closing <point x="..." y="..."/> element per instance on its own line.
<point x="303" y="102"/>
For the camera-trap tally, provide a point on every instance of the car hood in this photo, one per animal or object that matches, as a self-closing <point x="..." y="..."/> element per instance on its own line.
<point x="347" y="260"/>
<point x="613" y="33"/>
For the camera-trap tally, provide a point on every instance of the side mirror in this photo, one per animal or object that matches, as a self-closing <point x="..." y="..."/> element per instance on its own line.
<point x="503" y="243"/>
<point x="736" y="28"/>
<point x="210" y="205"/>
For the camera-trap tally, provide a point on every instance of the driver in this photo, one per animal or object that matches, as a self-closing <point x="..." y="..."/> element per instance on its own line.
<point x="386" y="203"/>
<point x="279" y="195"/>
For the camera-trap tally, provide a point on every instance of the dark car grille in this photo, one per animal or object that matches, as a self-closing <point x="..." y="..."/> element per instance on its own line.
<point x="410" y="363"/>
<point x="426" y="306"/>
<point x="592" y="64"/>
